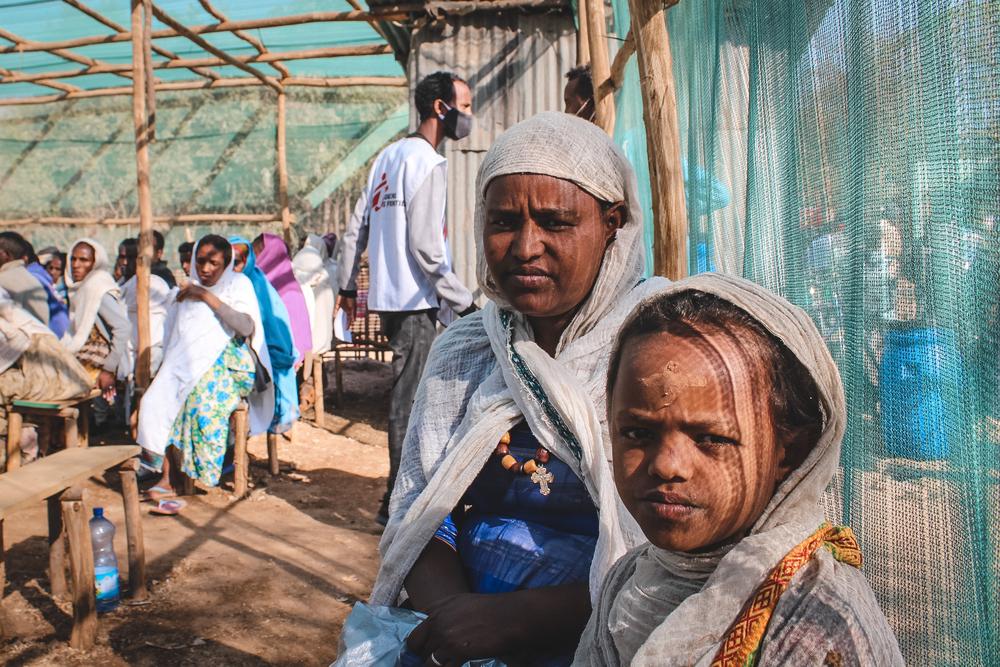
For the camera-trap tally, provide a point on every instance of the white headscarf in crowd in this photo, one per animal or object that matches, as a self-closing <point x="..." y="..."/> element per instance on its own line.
<point x="85" y="296"/>
<point x="194" y="339"/>
<point x="485" y="373"/>
<point x="317" y="274"/>
<point x="670" y="608"/>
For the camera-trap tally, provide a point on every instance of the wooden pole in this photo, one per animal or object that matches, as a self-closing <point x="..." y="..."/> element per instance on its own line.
<point x="582" y="34"/>
<point x="392" y="13"/>
<point x="286" y="215"/>
<point x="600" y="66"/>
<point x="190" y="218"/>
<point x="211" y="48"/>
<point x="133" y="532"/>
<point x="81" y="563"/>
<point x="308" y="81"/>
<point x="617" y="74"/>
<point x="270" y="57"/>
<point x="147" y="63"/>
<point x="140" y="119"/>
<point x="57" y="549"/>
<point x="663" y="145"/>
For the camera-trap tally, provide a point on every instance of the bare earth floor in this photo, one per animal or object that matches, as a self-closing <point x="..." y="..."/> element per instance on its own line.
<point x="267" y="580"/>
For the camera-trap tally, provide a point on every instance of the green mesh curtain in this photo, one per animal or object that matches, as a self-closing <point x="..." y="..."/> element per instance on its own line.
<point x="846" y="154"/>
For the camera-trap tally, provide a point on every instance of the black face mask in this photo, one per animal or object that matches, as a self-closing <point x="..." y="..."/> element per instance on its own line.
<point x="457" y="125"/>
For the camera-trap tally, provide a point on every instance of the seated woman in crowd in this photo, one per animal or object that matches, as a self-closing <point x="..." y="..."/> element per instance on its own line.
<point x="33" y="365"/>
<point x="161" y="296"/>
<point x="276" y="265"/>
<point x="504" y="516"/>
<point x="99" y="328"/>
<point x="726" y="413"/>
<point x="214" y="340"/>
<point x="278" y="335"/>
<point x="316" y="275"/>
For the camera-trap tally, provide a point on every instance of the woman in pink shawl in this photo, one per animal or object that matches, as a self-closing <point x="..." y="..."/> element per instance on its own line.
<point x="273" y="260"/>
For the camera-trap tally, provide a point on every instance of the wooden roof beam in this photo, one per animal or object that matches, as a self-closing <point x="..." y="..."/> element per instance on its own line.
<point x="117" y="27"/>
<point x="191" y="63"/>
<point x="215" y="51"/>
<point x="313" y="82"/>
<point x="246" y="37"/>
<point x="395" y="12"/>
<point x="41" y="80"/>
<point x="21" y="44"/>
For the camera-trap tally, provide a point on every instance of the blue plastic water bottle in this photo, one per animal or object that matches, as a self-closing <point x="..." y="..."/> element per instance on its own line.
<point x="102" y="538"/>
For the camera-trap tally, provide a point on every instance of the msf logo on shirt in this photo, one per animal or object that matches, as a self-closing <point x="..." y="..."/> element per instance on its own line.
<point x="381" y="197"/>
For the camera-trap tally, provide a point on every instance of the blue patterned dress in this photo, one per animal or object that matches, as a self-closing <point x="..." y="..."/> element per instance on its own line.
<point x="201" y="429"/>
<point x="510" y="537"/>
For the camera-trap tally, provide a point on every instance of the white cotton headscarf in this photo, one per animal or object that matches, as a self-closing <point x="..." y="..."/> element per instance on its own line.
<point x="194" y="339"/>
<point x="486" y="374"/>
<point x="85" y="296"/>
<point x="316" y="275"/>
<point x="670" y="608"/>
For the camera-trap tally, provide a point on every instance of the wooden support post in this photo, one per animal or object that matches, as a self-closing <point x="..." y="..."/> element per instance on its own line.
<point x="241" y="461"/>
<point x="3" y="585"/>
<point x="14" y="421"/>
<point x="582" y="34"/>
<point x="57" y="549"/>
<point x="84" y="428"/>
<point x="133" y="532"/>
<point x="339" y="376"/>
<point x="71" y="431"/>
<point x="272" y="453"/>
<point x="319" y="401"/>
<point x="140" y="119"/>
<point x="81" y="560"/>
<point x="286" y="216"/>
<point x="147" y="64"/>
<point x="600" y="65"/>
<point x="663" y="146"/>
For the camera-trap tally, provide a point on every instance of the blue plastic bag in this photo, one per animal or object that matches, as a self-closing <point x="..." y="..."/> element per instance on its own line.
<point x="376" y="637"/>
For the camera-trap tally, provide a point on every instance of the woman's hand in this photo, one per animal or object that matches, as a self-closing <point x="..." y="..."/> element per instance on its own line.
<point x="192" y="292"/>
<point x="467" y="626"/>
<point x="106" y="383"/>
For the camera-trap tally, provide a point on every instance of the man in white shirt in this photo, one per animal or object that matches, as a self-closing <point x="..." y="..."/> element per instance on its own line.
<point x="400" y="220"/>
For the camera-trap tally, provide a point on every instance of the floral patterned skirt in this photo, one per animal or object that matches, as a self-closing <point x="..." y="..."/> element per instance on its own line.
<point x="201" y="429"/>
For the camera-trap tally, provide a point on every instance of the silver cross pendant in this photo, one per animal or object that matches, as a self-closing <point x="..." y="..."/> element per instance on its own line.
<point x="542" y="478"/>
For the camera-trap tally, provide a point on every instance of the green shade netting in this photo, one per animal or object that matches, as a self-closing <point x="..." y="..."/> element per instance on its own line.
<point x="53" y="20"/>
<point x="846" y="154"/>
<point x="214" y="153"/>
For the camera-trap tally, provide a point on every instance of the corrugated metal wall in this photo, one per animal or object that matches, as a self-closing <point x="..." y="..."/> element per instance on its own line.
<point x="515" y="64"/>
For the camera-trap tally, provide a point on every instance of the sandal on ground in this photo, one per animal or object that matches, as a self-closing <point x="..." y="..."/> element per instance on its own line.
<point x="168" y="507"/>
<point x="157" y="493"/>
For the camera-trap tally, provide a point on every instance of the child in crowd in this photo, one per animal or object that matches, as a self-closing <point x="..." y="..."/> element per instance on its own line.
<point x="726" y="414"/>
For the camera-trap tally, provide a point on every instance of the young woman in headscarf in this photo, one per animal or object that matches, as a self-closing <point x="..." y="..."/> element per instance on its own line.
<point x="277" y="334"/>
<point x="316" y="276"/>
<point x="727" y="413"/>
<point x="99" y="328"/>
<point x="213" y="333"/>
<point x="504" y="516"/>
<point x="274" y="262"/>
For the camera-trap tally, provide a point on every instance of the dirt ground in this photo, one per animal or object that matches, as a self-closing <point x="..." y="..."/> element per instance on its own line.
<point x="267" y="580"/>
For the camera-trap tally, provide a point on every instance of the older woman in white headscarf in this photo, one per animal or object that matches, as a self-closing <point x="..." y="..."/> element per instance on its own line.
<point x="317" y="274"/>
<point x="504" y="516"/>
<point x="99" y="328"/>
<point x="727" y="413"/>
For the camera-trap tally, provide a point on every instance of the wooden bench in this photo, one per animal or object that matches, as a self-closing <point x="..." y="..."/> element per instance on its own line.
<point x="57" y="479"/>
<point x="359" y="348"/>
<point x="73" y="415"/>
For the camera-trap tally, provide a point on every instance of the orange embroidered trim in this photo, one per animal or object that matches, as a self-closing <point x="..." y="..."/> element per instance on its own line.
<point x="741" y="643"/>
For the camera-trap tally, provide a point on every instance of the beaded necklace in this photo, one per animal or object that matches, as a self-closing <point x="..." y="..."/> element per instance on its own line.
<point x="535" y="467"/>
